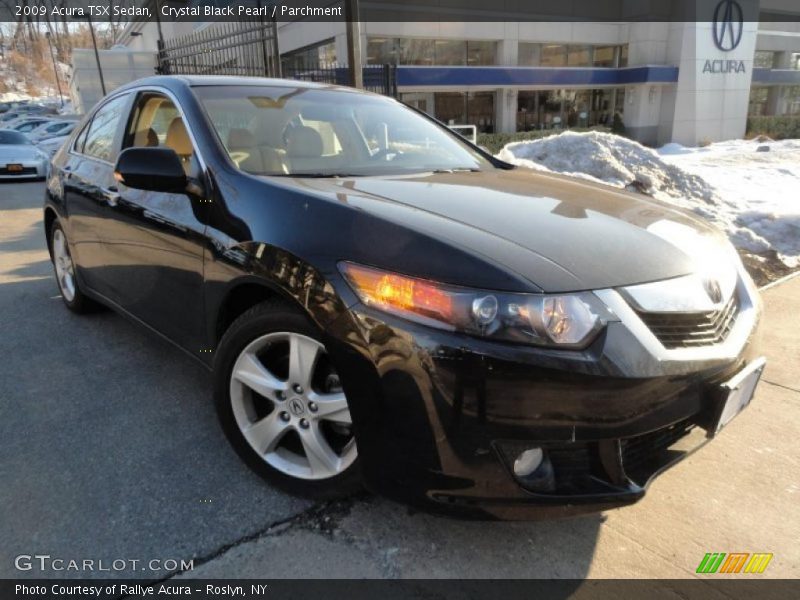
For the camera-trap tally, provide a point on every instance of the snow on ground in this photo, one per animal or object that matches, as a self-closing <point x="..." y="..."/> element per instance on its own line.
<point x="749" y="189"/>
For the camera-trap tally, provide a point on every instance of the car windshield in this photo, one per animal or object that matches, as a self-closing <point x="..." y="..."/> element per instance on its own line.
<point x="13" y="138"/>
<point x="316" y="132"/>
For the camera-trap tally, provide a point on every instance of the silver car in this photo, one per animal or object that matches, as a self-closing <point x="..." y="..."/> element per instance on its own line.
<point x="19" y="158"/>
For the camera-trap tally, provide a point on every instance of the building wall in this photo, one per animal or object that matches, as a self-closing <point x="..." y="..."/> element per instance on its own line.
<point x="699" y="106"/>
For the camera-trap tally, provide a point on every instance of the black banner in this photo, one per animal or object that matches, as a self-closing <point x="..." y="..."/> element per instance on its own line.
<point x="389" y="10"/>
<point x="345" y="589"/>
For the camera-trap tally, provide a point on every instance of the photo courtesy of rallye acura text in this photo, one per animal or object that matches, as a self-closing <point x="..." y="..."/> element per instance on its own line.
<point x="384" y="304"/>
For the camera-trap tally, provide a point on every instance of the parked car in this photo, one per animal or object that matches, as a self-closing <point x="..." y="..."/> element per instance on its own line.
<point x="50" y="129"/>
<point x="51" y="145"/>
<point x="449" y="330"/>
<point x="27" y="125"/>
<point x="19" y="158"/>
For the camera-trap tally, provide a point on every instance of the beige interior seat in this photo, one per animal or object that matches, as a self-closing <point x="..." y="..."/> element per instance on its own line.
<point x="251" y="157"/>
<point x="178" y="139"/>
<point x="304" y="148"/>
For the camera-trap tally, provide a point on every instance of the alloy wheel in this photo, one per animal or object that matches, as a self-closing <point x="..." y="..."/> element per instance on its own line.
<point x="65" y="269"/>
<point x="289" y="406"/>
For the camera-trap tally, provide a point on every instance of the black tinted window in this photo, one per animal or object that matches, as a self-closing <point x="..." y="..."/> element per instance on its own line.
<point x="100" y="139"/>
<point x="13" y="137"/>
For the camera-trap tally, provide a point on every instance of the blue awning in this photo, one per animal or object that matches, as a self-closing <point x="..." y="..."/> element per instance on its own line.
<point x="776" y="76"/>
<point x="417" y="76"/>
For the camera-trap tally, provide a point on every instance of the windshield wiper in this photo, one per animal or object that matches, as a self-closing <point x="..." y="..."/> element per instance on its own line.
<point x="457" y="170"/>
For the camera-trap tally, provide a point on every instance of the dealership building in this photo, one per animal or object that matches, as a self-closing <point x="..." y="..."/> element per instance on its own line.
<point x="687" y="82"/>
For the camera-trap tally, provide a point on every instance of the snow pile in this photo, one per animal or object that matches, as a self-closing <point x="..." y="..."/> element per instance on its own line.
<point x="749" y="189"/>
<point x="758" y="189"/>
<point x="610" y="159"/>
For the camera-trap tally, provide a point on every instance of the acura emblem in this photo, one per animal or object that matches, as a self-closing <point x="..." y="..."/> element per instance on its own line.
<point x="296" y="406"/>
<point x="728" y="25"/>
<point x="713" y="290"/>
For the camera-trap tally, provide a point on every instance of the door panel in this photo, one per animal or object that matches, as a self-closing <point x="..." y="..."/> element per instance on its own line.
<point x="86" y="176"/>
<point x="154" y="243"/>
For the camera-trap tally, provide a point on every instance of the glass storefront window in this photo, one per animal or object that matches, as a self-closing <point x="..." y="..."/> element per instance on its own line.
<point x="553" y="55"/>
<point x="450" y="52"/>
<point x="793" y="99"/>
<point x="794" y="61"/>
<point x="409" y="51"/>
<point x="561" y="109"/>
<point x="310" y="58"/>
<point x="528" y="54"/>
<point x="579" y="56"/>
<point x="764" y="59"/>
<point x="604" y="56"/>
<point x="466" y="108"/>
<point x="382" y="51"/>
<point x="481" y="53"/>
<point x="623" y="55"/>
<point x="758" y="101"/>
<point x="416" y="52"/>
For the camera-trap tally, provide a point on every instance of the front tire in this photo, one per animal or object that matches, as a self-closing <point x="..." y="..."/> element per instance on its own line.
<point x="281" y="406"/>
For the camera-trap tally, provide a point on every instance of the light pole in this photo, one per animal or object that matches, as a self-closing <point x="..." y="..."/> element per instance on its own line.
<point x="55" y="67"/>
<point x="97" y="57"/>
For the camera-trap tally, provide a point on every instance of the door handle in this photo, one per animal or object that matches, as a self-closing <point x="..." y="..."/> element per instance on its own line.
<point x="111" y="195"/>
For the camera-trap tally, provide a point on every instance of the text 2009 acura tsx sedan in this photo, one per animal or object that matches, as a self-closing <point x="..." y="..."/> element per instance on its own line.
<point x="382" y="302"/>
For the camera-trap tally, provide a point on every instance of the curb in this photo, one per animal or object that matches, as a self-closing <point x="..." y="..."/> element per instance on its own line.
<point x="777" y="282"/>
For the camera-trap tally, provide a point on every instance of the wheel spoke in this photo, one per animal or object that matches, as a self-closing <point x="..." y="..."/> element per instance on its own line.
<point x="321" y="457"/>
<point x="264" y="435"/>
<point x="249" y="371"/>
<point x="332" y="407"/>
<point x="303" y="354"/>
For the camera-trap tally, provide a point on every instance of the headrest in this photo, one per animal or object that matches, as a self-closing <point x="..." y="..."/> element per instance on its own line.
<point x="178" y="138"/>
<point x="304" y="142"/>
<point x="145" y="138"/>
<point x="241" y="139"/>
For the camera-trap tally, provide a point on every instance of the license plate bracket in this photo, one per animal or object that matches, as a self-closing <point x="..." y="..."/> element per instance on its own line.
<point x="14" y="168"/>
<point x="734" y="395"/>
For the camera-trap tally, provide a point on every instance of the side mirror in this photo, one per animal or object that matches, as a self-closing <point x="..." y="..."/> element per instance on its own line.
<point x="152" y="169"/>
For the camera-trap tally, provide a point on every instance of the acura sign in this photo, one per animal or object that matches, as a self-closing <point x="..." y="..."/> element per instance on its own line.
<point x="727" y="29"/>
<point x="728" y="25"/>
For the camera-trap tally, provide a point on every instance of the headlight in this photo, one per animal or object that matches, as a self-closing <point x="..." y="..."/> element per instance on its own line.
<point x="562" y="320"/>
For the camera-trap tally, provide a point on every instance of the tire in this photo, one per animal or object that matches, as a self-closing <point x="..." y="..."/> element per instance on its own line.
<point x="64" y="269"/>
<point x="280" y="404"/>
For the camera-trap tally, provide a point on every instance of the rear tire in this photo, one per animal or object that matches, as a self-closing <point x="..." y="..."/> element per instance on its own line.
<point x="280" y="404"/>
<point x="64" y="268"/>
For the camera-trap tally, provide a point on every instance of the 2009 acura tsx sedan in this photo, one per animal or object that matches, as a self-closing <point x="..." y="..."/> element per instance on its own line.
<point x="383" y="303"/>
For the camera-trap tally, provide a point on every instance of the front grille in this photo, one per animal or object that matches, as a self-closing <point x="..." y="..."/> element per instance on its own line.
<point x="23" y="172"/>
<point x="686" y="330"/>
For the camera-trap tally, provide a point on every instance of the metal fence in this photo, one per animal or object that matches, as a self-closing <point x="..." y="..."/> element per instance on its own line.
<point x="250" y="49"/>
<point x="381" y="79"/>
<point x="245" y="48"/>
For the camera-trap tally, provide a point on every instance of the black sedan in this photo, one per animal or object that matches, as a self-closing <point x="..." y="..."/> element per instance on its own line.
<point x="384" y="304"/>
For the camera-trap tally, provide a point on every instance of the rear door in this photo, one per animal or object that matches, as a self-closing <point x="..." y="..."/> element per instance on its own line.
<point x="156" y="240"/>
<point x="87" y="177"/>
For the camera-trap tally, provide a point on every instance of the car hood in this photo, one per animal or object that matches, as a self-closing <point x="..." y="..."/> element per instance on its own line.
<point x="18" y="152"/>
<point x="557" y="232"/>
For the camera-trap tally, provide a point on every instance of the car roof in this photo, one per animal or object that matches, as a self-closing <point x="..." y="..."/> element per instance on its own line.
<point x="176" y="81"/>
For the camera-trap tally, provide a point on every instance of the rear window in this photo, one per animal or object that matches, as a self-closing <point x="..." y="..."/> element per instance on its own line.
<point x="13" y="138"/>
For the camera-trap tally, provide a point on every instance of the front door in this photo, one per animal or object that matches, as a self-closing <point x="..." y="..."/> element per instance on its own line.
<point x="157" y="240"/>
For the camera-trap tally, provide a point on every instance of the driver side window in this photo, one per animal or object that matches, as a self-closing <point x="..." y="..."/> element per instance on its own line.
<point x="157" y="122"/>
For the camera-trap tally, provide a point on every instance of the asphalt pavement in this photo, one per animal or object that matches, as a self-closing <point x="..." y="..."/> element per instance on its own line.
<point x="110" y="450"/>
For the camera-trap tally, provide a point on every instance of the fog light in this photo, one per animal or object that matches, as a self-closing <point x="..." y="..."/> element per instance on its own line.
<point x="534" y="471"/>
<point x="527" y="462"/>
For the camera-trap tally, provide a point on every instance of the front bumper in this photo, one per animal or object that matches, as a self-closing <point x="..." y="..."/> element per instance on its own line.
<point x="439" y="416"/>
